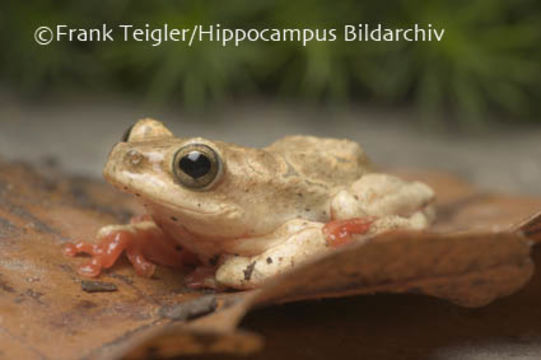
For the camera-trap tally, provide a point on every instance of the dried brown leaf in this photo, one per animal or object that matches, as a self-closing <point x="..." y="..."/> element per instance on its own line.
<point x="478" y="251"/>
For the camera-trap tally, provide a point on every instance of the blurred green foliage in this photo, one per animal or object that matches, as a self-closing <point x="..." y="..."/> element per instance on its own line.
<point x="489" y="60"/>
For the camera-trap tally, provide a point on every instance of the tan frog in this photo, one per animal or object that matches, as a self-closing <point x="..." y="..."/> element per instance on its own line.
<point x="244" y="214"/>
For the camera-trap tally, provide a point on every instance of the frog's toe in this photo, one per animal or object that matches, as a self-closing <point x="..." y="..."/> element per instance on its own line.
<point x="341" y="232"/>
<point x="80" y="247"/>
<point x="90" y="269"/>
<point x="142" y="266"/>
<point x="203" y="277"/>
<point x="104" y="254"/>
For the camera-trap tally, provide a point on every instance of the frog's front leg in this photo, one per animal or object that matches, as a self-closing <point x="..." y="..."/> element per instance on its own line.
<point x="292" y="243"/>
<point x="144" y="243"/>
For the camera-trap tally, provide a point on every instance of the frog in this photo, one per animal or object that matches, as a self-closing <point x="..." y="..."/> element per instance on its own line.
<point x="239" y="216"/>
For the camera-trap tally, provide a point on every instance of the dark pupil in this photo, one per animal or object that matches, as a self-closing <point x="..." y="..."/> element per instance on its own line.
<point x="195" y="164"/>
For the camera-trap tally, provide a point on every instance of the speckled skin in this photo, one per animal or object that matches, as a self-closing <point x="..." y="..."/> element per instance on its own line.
<point x="264" y="213"/>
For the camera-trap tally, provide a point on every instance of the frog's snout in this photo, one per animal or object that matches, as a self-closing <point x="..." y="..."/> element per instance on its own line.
<point x="121" y="158"/>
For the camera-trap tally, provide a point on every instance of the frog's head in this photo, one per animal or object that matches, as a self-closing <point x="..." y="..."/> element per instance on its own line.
<point x="200" y="184"/>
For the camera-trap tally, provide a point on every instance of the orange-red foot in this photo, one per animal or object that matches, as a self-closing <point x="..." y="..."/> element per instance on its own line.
<point x="202" y="278"/>
<point x="144" y="243"/>
<point x="339" y="232"/>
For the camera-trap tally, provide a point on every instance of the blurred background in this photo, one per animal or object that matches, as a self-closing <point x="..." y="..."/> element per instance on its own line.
<point x="469" y="104"/>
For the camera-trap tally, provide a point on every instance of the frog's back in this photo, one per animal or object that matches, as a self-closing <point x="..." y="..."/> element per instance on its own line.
<point x="333" y="161"/>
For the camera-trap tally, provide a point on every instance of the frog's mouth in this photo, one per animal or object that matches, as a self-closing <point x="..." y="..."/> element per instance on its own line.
<point x="170" y="206"/>
<point x="174" y="208"/>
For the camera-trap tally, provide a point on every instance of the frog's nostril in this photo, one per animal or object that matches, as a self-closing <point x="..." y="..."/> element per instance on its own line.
<point x="134" y="157"/>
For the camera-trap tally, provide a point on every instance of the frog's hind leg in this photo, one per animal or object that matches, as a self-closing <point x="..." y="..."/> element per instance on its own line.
<point x="389" y="201"/>
<point x="296" y="241"/>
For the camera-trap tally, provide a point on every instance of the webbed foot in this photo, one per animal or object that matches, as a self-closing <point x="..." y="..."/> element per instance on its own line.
<point x="144" y="243"/>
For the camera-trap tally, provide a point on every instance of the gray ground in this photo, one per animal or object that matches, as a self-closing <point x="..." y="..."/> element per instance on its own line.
<point x="79" y="133"/>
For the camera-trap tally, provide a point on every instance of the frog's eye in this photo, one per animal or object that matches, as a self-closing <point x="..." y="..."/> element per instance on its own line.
<point x="146" y="129"/>
<point x="127" y="133"/>
<point x="197" y="166"/>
